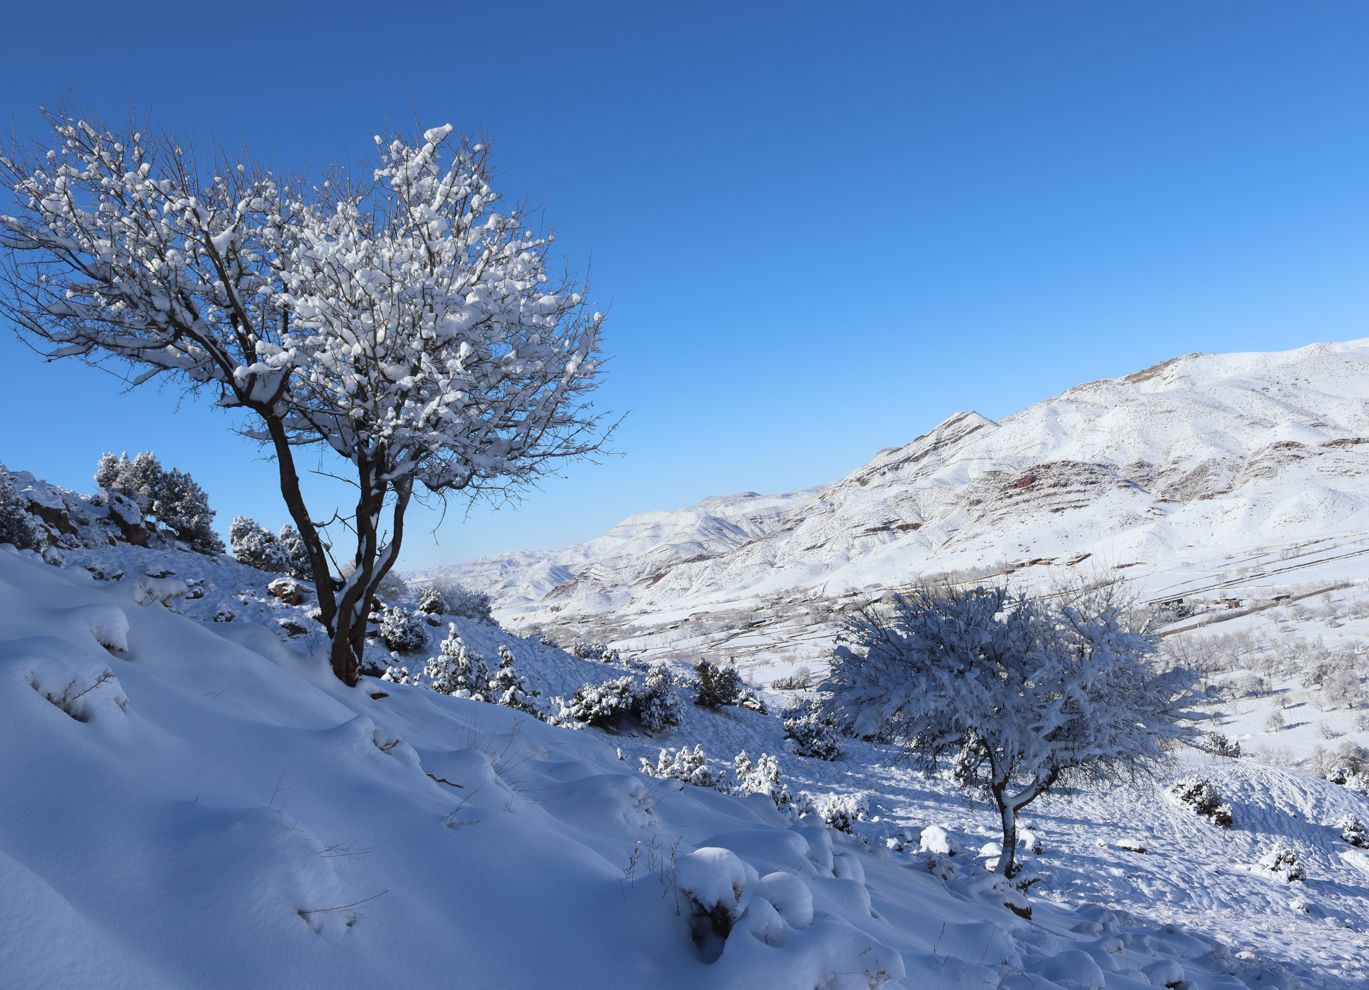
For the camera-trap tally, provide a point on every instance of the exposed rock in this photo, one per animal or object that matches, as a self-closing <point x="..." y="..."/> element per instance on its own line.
<point x="288" y="590"/>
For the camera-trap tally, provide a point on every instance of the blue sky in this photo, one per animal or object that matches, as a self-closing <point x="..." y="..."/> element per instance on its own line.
<point x="818" y="229"/>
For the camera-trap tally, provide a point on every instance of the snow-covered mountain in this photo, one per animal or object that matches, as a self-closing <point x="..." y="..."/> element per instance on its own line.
<point x="1180" y="468"/>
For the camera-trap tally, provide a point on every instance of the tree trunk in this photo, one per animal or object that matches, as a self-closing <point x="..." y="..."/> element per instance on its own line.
<point x="1007" y="861"/>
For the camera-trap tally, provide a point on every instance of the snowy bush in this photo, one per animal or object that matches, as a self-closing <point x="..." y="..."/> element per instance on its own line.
<point x="1353" y="831"/>
<point x="172" y="497"/>
<point x="456" y="670"/>
<point x="761" y="777"/>
<point x="610" y="704"/>
<point x="1220" y="745"/>
<point x="841" y="811"/>
<point x="812" y="732"/>
<point x="461" y="601"/>
<point x="1283" y="862"/>
<point x="797" y="681"/>
<point x="1014" y="695"/>
<point x="508" y="688"/>
<point x="296" y="557"/>
<point x="658" y="707"/>
<point x="256" y="546"/>
<point x="683" y="764"/>
<point x="1203" y="799"/>
<point x="1348" y="766"/>
<point x="604" y="705"/>
<point x="399" y="674"/>
<point x="403" y="631"/>
<point x="431" y="602"/>
<point x="594" y="651"/>
<point x="717" y="686"/>
<point x="16" y="526"/>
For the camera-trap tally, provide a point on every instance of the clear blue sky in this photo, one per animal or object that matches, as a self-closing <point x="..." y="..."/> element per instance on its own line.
<point x="818" y="228"/>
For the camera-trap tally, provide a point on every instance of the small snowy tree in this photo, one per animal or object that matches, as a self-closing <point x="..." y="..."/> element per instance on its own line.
<point x="718" y="686"/>
<point x="812" y="731"/>
<point x="172" y="498"/>
<point x="760" y="777"/>
<point x="295" y="555"/>
<point x="456" y="669"/>
<point x="507" y="687"/>
<point x="256" y="546"/>
<point x="403" y="631"/>
<point x="1014" y="695"/>
<point x="394" y="317"/>
<point x="690" y="767"/>
<point x="431" y="602"/>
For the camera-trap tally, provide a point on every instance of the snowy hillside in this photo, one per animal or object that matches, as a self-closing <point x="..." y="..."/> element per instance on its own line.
<point x="1185" y="477"/>
<point x="201" y="803"/>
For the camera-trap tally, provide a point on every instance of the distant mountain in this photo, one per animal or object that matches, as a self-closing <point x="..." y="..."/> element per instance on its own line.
<point x="1182" y="465"/>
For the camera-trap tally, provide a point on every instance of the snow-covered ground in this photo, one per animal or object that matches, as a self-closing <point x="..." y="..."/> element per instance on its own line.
<point x="220" y="811"/>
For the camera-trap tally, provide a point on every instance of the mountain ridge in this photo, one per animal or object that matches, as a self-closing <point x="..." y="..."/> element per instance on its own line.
<point x="1203" y="449"/>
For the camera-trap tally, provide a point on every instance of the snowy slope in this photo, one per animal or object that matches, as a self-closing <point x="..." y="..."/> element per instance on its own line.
<point x="219" y="811"/>
<point x="1166" y="474"/>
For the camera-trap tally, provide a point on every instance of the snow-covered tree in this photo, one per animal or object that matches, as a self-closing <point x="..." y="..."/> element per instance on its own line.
<point x="690" y="767"/>
<point x="431" y="602"/>
<point x="172" y="498"/>
<point x="1013" y="694"/>
<point x="718" y="686"/>
<point x="295" y="554"/>
<point x="457" y="670"/>
<point x="812" y="731"/>
<point x="16" y="526"/>
<point x="395" y="317"/>
<point x="509" y="688"/>
<point x="256" y="546"/>
<point x="760" y="777"/>
<point x="402" y="630"/>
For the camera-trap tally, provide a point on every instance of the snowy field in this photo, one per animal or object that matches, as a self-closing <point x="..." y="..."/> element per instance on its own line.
<point x="220" y="811"/>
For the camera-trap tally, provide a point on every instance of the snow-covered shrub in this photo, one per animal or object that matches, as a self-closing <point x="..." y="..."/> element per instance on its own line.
<point x="469" y="604"/>
<point x="1353" y="831"/>
<point x="507" y="687"/>
<point x="1219" y="745"/>
<point x="604" y="705"/>
<point x="761" y="777"/>
<point x="16" y="526"/>
<point x="719" y="885"/>
<point x="610" y="704"/>
<point x="717" y="686"/>
<point x="171" y="497"/>
<point x="431" y="602"/>
<point x="403" y="631"/>
<point x="1274" y="721"/>
<point x="594" y="651"/>
<point x="460" y="600"/>
<point x="456" y="670"/>
<point x="1015" y="695"/>
<point x="1283" y="862"/>
<point x="256" y="546"/>
<point x="812" y="732"/>
<point x="1348" y="766"/>
<point x="796" y="681"/>
<point x="397" y="673"/>
<point x="1203" y="799"/>
<point x="841" y="811"/>
<point x="658" y="707"/>
<point x="686" y="765"/>
<point x="296" y="557"/>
